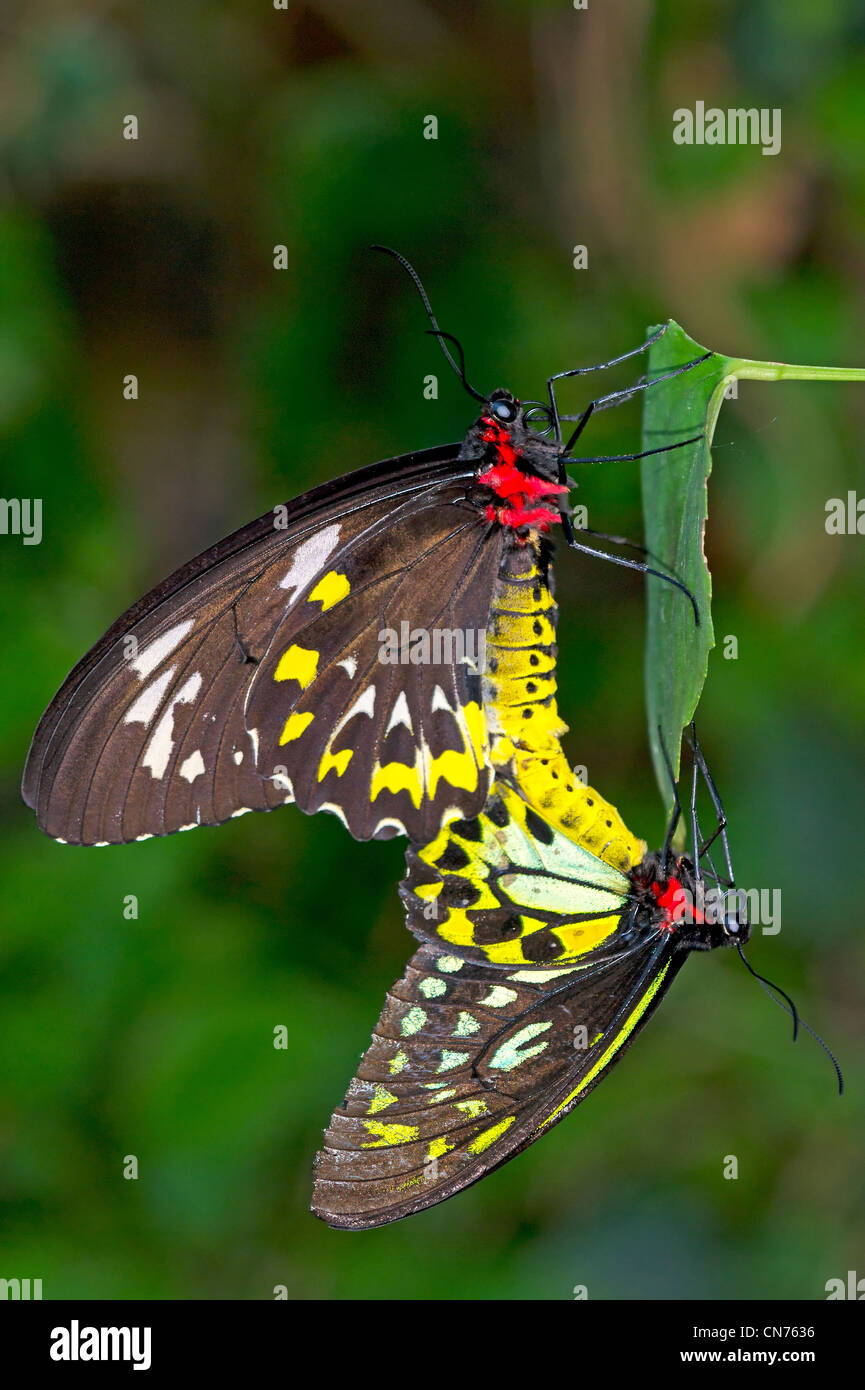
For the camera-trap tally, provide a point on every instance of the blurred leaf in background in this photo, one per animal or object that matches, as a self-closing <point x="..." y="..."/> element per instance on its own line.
<point x="153" y="1036"/>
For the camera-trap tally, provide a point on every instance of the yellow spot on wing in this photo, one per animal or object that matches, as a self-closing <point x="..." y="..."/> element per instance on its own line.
<point x="490" y="1136"/>
<point x="431" y="890"/>
<point x="397" y="777"/>
<point x="439" y="1147"/>
<point x="473" y="1108"/>
<point x="339" y="761"/>
<point x="477" y="726"/>
<point x="459" y="769"/>
<point x="294" y="727"/>
<point x="398" y="1062"/>
<point x="297" y="664"/>
<point x="381" y="1099"/>
<point x="386" y="1135"/>
<point x="330" y="590"/>
<point x="442" y="1095"/>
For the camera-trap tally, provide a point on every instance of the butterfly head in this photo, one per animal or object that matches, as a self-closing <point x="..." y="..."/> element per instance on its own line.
<point x="504" y="408"/>
<point x="518" y="466"/>
<point x="699" y="914"/>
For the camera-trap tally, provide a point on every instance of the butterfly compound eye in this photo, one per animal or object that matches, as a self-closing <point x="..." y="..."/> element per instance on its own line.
<point x="504" y="410"/>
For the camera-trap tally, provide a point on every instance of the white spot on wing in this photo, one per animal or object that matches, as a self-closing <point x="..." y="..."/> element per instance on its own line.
<point x="349" y="665"/>
<point x="148" y="702"/>
<point x="253" y="738"/>
<point x="439" y="701"/>
<point x="243" y="811"/>
<point x="309" y="557"/>
<point x="161" y="745"/>
<point x="364" y="704"/>
<point x="389" y="823"/>
<point x="161" y="647"/>
<point x="538" y="977"/>
<point x="193" y="766"/>
<point x="499" y="996"/>
<point x="400" y="714"/>
<point x="334" y="811"/>
<point x="238" y="756"/>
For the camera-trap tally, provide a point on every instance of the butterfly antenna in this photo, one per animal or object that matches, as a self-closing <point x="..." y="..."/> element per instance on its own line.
<point x="773" y="991"/>
<point x="436" y="331"/>
<point x="789" y="1007"/>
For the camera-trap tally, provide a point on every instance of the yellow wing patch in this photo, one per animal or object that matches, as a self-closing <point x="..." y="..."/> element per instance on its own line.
<point x="294" y="727"/>
<point x="386" y="1135"/>
<point x="489" y="1136"/>
<point x="330" y="590"/>
<point x="337" y="761"/>
<point x="297" y="664"/>
<point x="397" y="777"/>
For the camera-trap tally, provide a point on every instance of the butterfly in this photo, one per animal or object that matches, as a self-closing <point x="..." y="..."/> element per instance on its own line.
<point x="540" y="962"/>
<point x="329" y="654"/>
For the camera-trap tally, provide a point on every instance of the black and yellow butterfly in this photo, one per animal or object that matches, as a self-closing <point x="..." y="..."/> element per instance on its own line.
<point x="540" y="963"/>
<point x="287" y="662"/>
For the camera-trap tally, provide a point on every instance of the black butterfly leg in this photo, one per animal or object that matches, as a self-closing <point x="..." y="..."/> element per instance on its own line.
<point x="716" y="802"/>
<point x="597" y="367"/>
<point x="574" y="544"/>
<point x="677" y="805"/>
<point x="605" y="402"/>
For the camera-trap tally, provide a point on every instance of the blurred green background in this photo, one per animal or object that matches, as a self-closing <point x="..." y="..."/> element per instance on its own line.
<point x="304" y="127"/>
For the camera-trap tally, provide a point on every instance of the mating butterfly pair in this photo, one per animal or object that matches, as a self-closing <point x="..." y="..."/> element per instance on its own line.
<point x="254" y="677"/>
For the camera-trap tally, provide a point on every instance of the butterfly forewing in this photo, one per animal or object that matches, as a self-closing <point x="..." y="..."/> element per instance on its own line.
<point x="469" y="1065"/>
<point x="389" y="733"/>
<point x="252" y="676"/>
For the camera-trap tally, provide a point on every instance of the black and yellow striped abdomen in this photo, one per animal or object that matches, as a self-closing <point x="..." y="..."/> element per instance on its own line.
<point x="525" y="728"/>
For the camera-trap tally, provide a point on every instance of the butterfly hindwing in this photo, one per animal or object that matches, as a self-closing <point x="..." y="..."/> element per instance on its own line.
<point x="251" y="677"/>
<point x="508" y="888"/>
<point x="470" y="1064"/>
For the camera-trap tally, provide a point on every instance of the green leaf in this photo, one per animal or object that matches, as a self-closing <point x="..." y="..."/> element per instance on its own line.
<point x="674" y="508"/>
<point x="674" y="485"/>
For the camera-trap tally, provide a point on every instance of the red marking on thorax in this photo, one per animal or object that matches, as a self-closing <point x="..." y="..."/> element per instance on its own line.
<point x="511" y="485"/>
<point x="674" y="901"/>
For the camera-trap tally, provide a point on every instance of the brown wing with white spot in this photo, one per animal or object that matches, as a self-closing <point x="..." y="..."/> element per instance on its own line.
<point x="189" y="710"/>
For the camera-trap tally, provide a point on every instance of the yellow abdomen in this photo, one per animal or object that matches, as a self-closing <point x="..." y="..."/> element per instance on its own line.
<point x="524" y="723"/>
